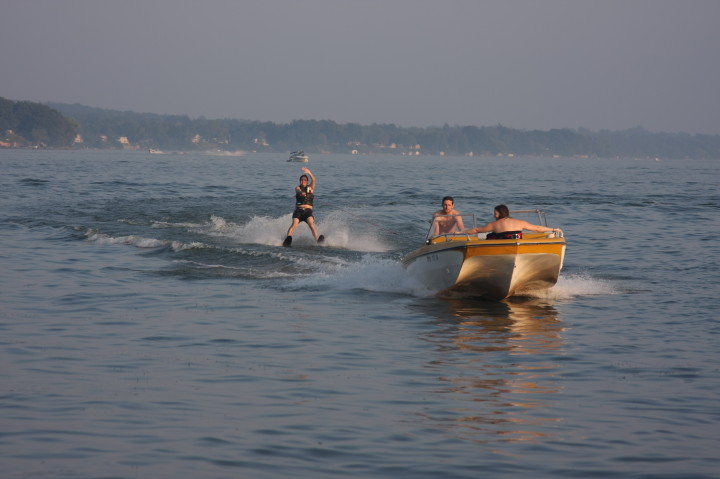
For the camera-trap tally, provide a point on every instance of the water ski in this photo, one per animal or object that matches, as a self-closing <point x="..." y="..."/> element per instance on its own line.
<point x="288" y="240"/>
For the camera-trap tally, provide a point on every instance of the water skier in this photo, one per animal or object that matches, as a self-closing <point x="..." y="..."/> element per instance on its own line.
<point x="304" y="196"/>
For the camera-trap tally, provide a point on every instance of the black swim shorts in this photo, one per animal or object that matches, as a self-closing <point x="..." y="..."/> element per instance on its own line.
<point x="505" y="235"/>
<point x="302" y="214"/>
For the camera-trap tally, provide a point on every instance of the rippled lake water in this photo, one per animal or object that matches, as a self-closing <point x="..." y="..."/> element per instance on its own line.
<point x="151" y="325"/>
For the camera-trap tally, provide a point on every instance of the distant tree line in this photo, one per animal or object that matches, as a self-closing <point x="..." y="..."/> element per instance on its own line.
<point x="58" y="125"/>
<point x="24" y="123"/>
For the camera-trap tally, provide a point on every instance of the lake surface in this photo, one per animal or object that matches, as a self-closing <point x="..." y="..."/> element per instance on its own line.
<point x="151" y="325"/>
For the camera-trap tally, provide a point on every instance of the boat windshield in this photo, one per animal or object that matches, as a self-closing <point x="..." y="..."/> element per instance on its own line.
<point x="537" y="217"/>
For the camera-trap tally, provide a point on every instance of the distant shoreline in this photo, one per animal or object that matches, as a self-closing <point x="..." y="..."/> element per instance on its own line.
<point x="239" y="154"/>
<point x="63" y="126"/>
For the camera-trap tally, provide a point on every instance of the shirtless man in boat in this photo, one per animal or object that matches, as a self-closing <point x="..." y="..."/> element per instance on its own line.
<point x="447" y="219"/>
<point x="505" y="225"/>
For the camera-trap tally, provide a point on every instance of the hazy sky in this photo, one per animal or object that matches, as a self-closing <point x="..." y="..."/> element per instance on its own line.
<point x="529" y="64"/>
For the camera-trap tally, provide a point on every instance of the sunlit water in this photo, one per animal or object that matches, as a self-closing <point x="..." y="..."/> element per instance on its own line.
<point x="151" y="325"/>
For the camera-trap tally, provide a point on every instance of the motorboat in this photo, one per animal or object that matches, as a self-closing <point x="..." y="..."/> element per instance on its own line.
<point x="299" y="155"/>
<point x="458" y="264"/>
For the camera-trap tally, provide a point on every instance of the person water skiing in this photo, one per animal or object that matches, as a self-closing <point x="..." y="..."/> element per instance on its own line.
<point x="304" y="197"/>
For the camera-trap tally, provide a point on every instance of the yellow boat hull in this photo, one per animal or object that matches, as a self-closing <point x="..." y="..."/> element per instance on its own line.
<point x="462" y="265"/>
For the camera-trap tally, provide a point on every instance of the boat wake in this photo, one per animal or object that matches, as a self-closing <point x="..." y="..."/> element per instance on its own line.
<point x="251" y="249"/>
<point x="573" y="285"/>
<point x="141" y="241"/>
<point x="222" y="248"/>
<point x="271" y="231"/>
<point x="370" y="274"/>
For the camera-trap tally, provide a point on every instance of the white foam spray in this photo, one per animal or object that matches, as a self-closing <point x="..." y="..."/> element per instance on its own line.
<point x="572" y="285"/>
<point x="369" y="274"/>
<point x="140" y="241"/>
<point x="271" y="231"/>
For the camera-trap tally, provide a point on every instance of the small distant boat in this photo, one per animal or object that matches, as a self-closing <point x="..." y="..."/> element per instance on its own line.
<point x="459" y="264"/>
<point x="155" y="151"/>
<point x="299" y="155"/>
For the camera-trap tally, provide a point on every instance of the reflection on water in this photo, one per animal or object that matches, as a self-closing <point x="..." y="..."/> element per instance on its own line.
<point x="522" y="327"/>
<point x="498" y="365"/>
